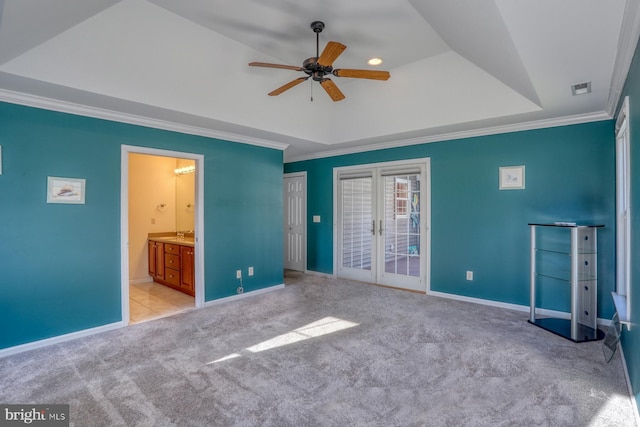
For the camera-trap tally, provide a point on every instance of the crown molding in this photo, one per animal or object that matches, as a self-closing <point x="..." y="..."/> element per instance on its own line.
<point x="115" y="116"/>
<point x="495" y="130"/>
<point x="627" y="43"/>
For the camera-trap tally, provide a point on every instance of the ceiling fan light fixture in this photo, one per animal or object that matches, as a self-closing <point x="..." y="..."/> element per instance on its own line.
<point x="374" y="61"/>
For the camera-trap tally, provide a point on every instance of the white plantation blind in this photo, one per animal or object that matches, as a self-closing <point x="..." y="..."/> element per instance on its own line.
<point x="356" y="222"/>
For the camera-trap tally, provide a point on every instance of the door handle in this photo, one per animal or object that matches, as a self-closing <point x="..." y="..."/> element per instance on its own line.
<point x="381" y="227"/>
<point x="373" y="227"/>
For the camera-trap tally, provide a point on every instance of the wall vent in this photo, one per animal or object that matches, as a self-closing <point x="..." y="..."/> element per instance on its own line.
<point x="580" y="88"/>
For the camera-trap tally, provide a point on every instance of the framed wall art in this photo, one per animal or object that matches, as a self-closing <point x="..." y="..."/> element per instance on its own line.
<point x="65" y="190"/>
<point x="512" y="178"/>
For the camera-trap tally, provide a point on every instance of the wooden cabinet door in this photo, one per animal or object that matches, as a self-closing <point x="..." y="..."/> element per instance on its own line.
<point x="152" y="258"/>
<point x="159" y="256"/>
<point x="187" y="269"/>
<point x="156" y="259"/>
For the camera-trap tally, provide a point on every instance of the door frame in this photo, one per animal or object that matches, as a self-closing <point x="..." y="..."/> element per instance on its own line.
<point x="424" y="162"/>
<point x="125" y="150"/>
<point x="302" y="175"/>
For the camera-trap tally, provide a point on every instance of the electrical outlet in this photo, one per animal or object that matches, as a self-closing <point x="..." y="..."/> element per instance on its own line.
<point x="469" y="275"/>
<point x="250" y="271"/>
<point x="238" y="274"/>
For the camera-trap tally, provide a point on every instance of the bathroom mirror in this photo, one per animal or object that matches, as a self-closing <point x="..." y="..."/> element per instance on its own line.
<point x="185" y="194"/>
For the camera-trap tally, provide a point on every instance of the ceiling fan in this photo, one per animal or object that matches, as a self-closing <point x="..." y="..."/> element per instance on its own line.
<point x="319" y="66"/>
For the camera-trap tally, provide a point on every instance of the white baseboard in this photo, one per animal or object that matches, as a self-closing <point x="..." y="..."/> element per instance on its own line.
<point x="508" y="306"/>
<point x="634" y="403"/>
<point x="243" y="295"/>
<point x="59" y="339"/>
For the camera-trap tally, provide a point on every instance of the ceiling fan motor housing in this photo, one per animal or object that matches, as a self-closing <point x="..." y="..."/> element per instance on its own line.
<point x="317" y="72"/>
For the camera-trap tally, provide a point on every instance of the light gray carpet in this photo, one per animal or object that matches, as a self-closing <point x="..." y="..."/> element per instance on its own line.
<point x="357" y="355"/>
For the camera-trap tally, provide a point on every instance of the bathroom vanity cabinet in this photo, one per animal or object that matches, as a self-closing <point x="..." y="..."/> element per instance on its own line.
<point x="171" y="263"/>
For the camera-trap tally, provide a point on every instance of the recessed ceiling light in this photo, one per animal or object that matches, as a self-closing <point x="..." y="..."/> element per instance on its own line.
<point x="374" y="61"/>
<point x="580" y="88"/>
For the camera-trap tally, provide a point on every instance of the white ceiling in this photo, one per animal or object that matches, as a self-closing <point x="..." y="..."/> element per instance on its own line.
<point x="458" y="67"/>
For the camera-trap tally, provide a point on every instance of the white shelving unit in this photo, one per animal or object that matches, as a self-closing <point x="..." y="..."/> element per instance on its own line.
<point x="566" y="254"/>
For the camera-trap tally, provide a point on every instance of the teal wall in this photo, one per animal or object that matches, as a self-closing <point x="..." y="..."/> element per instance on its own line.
<point x="475" y="226"/>
<point x="60" y="264"/>
<point x="631" y="339"/>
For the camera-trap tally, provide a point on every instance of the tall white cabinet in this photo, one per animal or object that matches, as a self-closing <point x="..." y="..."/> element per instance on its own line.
<point x="564" y="259"/>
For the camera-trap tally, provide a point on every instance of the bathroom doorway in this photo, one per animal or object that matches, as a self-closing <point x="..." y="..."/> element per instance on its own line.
<point x="161" y="214"/>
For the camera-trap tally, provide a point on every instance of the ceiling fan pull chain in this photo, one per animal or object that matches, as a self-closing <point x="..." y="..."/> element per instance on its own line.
<point x="311" y="89"/>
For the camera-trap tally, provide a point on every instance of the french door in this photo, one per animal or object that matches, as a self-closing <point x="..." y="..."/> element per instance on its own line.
<point x="382" y="215"/>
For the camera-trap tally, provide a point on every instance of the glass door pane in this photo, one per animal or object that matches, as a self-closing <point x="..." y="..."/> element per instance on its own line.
<point x="402" y="224"/>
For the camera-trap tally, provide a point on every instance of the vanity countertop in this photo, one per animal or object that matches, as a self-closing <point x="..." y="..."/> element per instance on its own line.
<point x="186" y="241"/>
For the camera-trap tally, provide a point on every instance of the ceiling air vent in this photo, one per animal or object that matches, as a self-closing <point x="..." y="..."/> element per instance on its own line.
<point x="580" y="88"/>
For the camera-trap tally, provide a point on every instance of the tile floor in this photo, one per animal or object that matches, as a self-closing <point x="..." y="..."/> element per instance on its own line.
<point x="152" y="300"/>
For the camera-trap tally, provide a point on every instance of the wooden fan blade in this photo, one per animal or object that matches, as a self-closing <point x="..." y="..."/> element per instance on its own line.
<point x="268" y="65"/>
<point x="363" y="74"/>
<point x="330" y="53"/>
<point x="332" y="90"/>
<point x="287" y="86"/>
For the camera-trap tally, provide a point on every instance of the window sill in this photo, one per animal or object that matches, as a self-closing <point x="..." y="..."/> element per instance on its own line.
<point x="620" y="301"/>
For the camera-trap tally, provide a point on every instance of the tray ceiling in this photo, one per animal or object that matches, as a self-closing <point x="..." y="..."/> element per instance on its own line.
<point x="458" y="68"/>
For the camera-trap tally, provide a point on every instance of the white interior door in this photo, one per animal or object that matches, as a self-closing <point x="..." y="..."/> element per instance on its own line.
<point x="382" y="224"/>
<point x="295" y="187"/>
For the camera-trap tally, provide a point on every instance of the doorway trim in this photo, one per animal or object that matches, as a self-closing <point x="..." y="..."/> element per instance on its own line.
<point x="425" y="163"/>
<point x="125" y="150"/>
<point x="302" y="175"/>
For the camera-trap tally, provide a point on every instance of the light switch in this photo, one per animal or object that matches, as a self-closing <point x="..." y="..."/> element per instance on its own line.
<point x="316" y="218"/>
